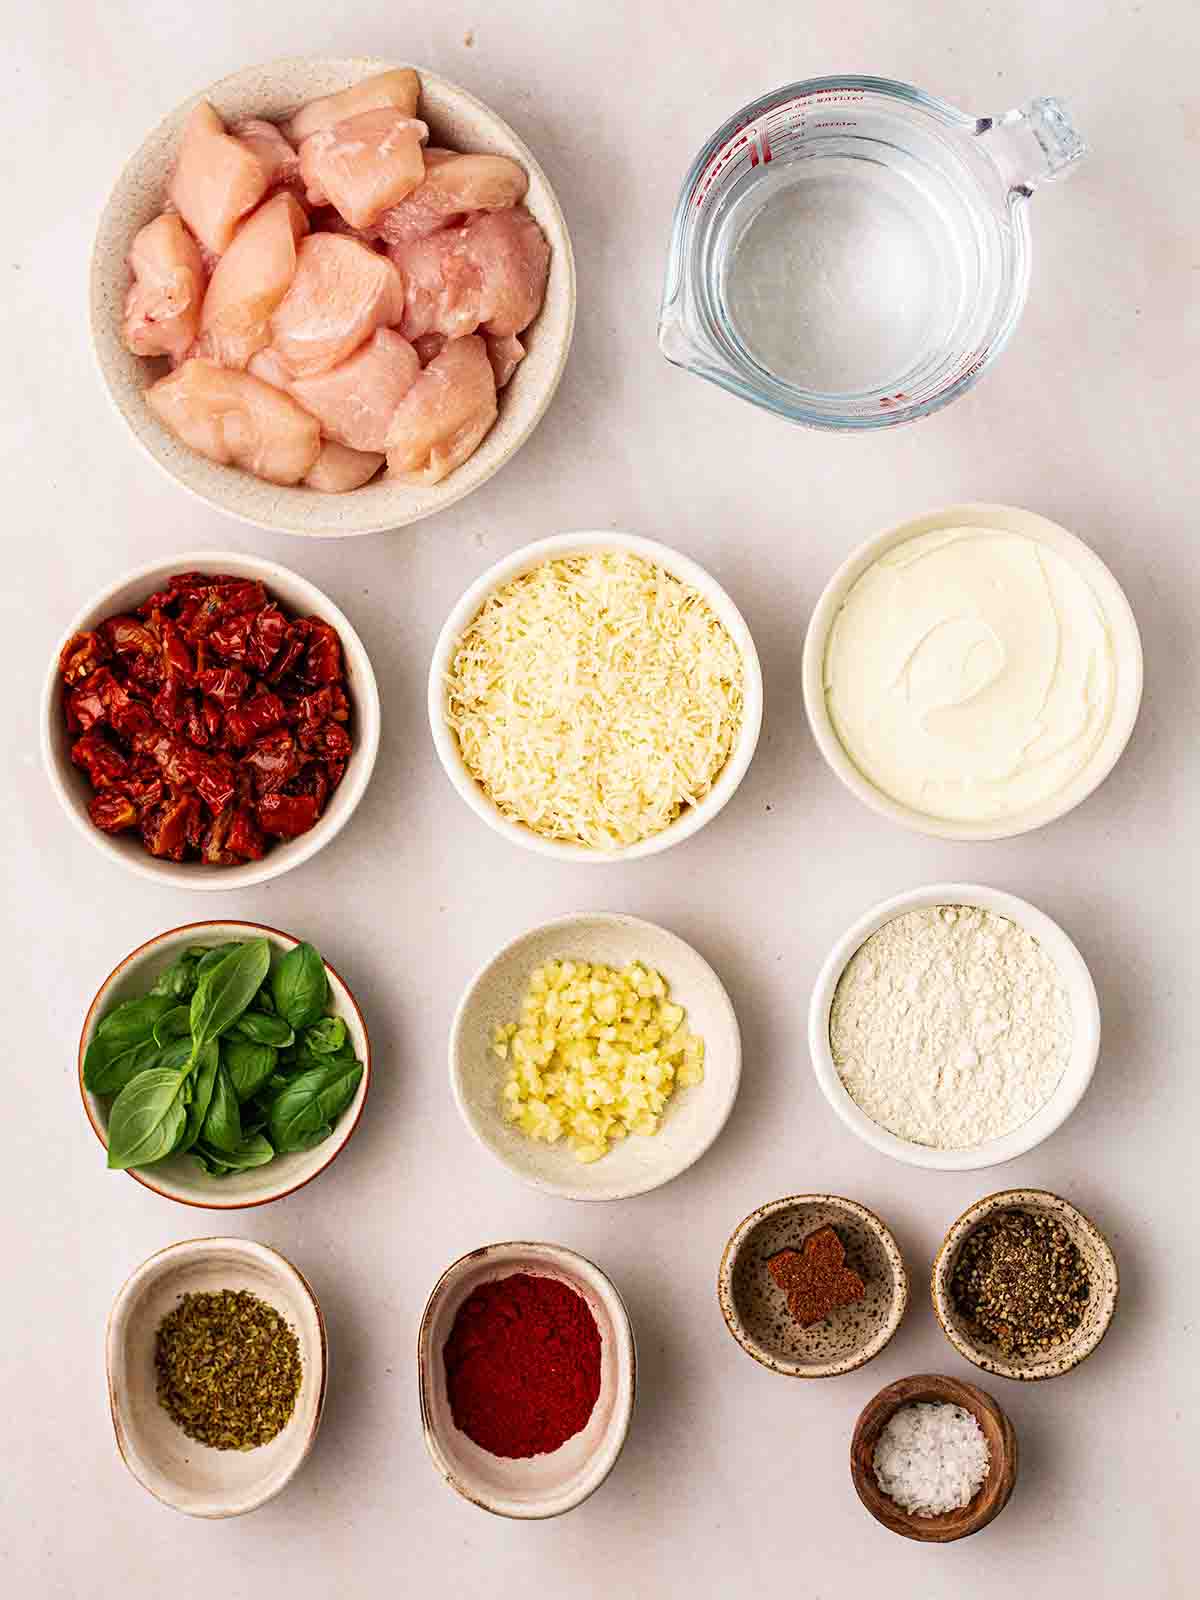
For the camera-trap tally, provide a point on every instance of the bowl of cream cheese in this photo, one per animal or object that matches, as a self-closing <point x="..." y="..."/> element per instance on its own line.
<point x="973" y="673"/>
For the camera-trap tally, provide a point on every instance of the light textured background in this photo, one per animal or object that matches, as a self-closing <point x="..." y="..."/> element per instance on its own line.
<point x="734" y="1481"/>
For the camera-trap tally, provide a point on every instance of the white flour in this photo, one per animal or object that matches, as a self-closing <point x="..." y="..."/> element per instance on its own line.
<point x="950" y="1026"/>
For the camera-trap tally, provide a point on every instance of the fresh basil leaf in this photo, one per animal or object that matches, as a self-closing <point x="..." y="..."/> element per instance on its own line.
<point x="215" y="954"/>
<point x="326" y="1037"/>
<point x="211" y="1164"/>
<point x="258" y="1028"/>
<point x="226" y="989"/>
<point x="300" y="986"/>
<point x="303" y="1113"/>
<point x="249" y="1065"/>
<point x="134" y="1019"/>
<point x="173" y="1024"/>
<point x="179" y="980"/>
<point x="110" y="1065"/>
<point x="202" y="1082"/>
<point x="147" y="1119"/>
<point x="222" y="1126"/>
<point x="254" y="1151"/>
<point x="264" y="1001"/>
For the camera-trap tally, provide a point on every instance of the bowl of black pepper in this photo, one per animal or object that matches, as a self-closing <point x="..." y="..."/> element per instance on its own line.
<point x="1025" y="1285"/>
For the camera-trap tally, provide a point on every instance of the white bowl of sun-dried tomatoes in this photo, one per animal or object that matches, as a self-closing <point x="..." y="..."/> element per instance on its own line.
<point x="210" y="721"/>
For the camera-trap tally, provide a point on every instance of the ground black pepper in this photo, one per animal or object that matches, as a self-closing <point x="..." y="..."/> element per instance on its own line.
<point x="1020" y="1283"/>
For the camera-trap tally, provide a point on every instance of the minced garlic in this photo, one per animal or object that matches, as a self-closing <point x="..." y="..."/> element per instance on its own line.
<point x="594" y="698"/>
<point x="596" y="1055"/>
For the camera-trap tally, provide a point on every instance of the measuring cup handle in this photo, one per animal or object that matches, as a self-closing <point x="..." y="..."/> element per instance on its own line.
<point x="1034" y="144"/>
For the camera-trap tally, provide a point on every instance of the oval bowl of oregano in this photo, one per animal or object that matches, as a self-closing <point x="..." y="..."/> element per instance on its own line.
<point x="216" y="1356"/>
<point x="224" y="1064"/>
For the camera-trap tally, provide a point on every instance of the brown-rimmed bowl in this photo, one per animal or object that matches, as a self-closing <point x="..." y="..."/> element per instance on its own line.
<point x="1095" y="1253"/>
<point x="185" y="1475"/>
<point x="180" y="1177"/>
<point x="274" y="90"/>
<point x="541" y="1486"/>
<point x="755" y="1308"/>
<point x="988" y="1501"/>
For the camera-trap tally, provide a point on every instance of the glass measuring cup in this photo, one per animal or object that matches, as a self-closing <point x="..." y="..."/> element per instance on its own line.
<point x="852" y="252"/>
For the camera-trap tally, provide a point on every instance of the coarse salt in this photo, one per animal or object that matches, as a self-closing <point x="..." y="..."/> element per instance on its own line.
<point x="931" y="1457"/>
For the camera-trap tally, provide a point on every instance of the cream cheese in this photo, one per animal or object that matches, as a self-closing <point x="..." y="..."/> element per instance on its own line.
<point x="970" y="674"/>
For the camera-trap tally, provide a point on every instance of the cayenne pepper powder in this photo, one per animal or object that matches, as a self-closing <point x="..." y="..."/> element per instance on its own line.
<point x="523" y="1365"/>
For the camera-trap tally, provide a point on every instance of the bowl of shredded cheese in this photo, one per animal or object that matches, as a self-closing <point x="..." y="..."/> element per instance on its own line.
<point x="597" y="1056"/>
<point x="596" y="697"/>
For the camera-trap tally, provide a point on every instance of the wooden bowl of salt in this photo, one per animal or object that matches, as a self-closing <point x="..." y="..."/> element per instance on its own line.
<point x="988" y="1501"/>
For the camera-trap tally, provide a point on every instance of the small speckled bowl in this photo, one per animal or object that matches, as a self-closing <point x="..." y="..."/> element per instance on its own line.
<point x="1095" y="1253"/>
<point x="185" y="1475"/>
<point x="274" y="90"/>
<point x="755" y="1309"/>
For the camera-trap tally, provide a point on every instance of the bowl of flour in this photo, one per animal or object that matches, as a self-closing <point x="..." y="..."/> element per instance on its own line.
<point x="954" y="1027"/>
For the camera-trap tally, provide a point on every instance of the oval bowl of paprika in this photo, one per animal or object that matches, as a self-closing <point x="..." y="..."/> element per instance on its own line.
<point x="527" y="1373"/>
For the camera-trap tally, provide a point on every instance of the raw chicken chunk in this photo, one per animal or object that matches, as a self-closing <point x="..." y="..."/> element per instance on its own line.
<point x="237" y="420"/>
<point x="364" y="165"/>
<point x="279" y="160"/>
<point x="397" y="90"/>
<point x="251" y="279"/>
<point x="429" y="345"/>
<point x="217" y="179"/>
<point x="453" y="185"/>
<point x="444" y="415"/>
<point x="442" y="288"/>
<point x="338" y="469"/>
<point x="162" y="308"/>
<point x="356" y="401"/>
<point x="341" y="293"/>
<point x="265" y="364"/>
<point x="505" y="352"/>
<point x="511" y="255"/>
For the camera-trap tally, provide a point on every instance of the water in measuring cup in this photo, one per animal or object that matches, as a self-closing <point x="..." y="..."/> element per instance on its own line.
<point x="843" y="275"/>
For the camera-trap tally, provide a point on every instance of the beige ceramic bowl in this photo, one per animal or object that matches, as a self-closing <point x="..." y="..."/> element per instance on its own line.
<point x="183" y="1474"/>
<point x="693" y="1118"/>
<point x="1095" y="1253"/>
<point x="180" y="1177"/>
<point x="1085" y="1036"/>
<point x="690" y="820"/>
<point x="274" y="90"/>
<point x="538" y="1486"/>
<point x="1127" y="653"/>
<point x="299" y="597"/>
<point x="755" y="1308"/>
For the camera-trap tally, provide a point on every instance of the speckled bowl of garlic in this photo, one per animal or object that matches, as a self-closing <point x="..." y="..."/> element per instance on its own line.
<point x="954" y="1027"/>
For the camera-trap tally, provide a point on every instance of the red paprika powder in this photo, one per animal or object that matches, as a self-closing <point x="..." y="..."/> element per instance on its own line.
<point x="523" y="1365"/>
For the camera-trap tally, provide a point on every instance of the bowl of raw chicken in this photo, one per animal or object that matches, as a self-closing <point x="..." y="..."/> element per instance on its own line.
<point x="332" y="296"/>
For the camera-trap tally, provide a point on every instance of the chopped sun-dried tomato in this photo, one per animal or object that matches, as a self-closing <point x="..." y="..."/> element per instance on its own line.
<point x="207" y="718"/>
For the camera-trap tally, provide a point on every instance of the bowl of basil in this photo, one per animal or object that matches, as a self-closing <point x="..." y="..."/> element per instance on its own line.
<point x="224" y="1064"/>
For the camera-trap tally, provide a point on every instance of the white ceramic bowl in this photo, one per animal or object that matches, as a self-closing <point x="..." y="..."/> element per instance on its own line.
<point x="179" y="1177"/>
<point x="1127" y="654"/>
<point x="693" y="1117"/>
<point x="524" y="560"/>
<point x="185" y="1475"/>
<point x="301" y="598"/>
<point x="538" y="1486"/>
<point x="273" y="91"/>
<point x="1085" y="1035"/>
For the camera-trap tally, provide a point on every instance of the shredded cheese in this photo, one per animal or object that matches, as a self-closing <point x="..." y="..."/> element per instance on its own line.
<point x="596" y="1055"/>
<point x="595" y="698"/>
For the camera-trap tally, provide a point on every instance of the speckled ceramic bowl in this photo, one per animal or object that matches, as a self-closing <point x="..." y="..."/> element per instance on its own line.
<point x="534" y="1487"/>
<point x="185" y="1475"/>
<point x="1095" y="1253"/>
<point x="755" y="1308"/>
<point x="274" y="90"/>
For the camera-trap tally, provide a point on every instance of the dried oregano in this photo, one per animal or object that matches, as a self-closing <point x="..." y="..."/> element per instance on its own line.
<point x="228" y="1369"/>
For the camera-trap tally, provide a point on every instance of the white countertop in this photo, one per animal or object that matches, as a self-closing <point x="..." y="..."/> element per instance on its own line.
<point x="734" y="1481"/>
